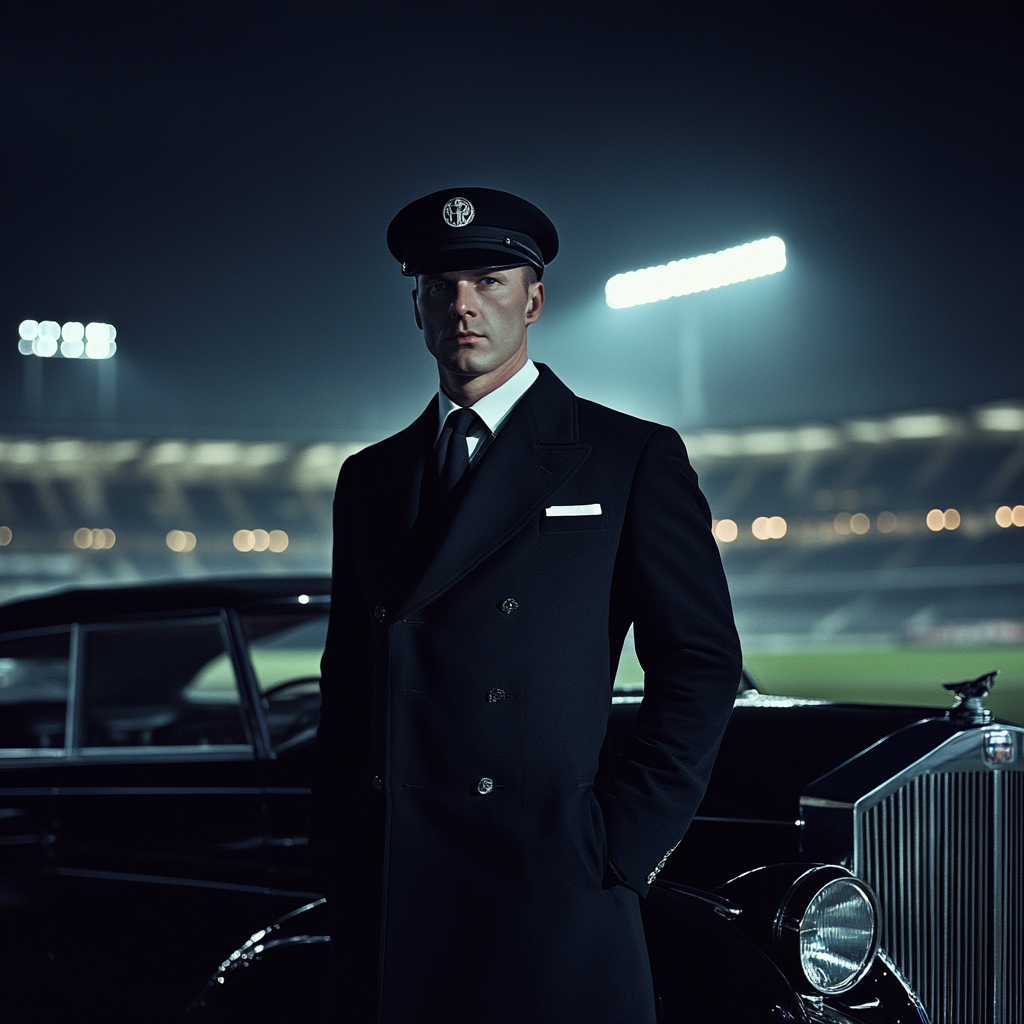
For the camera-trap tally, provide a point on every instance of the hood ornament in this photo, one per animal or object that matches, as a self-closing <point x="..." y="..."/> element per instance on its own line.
<point x="970" y="695"/>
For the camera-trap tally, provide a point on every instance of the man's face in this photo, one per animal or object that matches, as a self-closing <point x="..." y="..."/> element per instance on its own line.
<point x="474" y="321"/>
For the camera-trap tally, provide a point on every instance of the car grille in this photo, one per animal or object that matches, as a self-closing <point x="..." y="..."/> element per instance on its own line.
<point x="945" y="853"/>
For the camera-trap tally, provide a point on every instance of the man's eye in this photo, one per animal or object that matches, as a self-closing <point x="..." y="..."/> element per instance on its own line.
<point x="437" y="286"/>
<point x="489" y="280"/>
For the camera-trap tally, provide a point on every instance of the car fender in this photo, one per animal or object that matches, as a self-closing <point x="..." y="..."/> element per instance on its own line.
<point x="277" y="976"/>
<point x="705" y="969"/>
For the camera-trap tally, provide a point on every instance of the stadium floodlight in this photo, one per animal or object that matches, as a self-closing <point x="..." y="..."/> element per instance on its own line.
<point x="697" y="274"/>
<point x="686" y="277"/>
<point x="47" y="338"/>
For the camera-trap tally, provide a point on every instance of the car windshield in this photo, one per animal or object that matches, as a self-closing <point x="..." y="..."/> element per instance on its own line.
<point x="285" y="648"/>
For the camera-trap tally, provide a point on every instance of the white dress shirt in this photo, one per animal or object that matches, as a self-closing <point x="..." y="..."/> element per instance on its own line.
<point x="492" y="410"/>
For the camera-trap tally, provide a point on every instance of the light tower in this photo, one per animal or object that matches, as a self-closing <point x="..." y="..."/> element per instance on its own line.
<point x="47" y="339"/>
<point x="685" y="277"/>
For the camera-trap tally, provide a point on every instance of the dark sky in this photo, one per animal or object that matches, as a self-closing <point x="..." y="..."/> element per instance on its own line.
<point x="216" y="179"/>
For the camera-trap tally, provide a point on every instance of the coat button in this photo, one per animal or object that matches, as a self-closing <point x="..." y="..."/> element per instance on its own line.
<point x="484" y="786"/>
<point x="380" y="613"/>
<point x="509" y="605"/>
<point x="378" y="782"/>
<point x="496" y="695"/>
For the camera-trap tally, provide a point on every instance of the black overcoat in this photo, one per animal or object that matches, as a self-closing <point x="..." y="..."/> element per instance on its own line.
<point x="470" y="698"/>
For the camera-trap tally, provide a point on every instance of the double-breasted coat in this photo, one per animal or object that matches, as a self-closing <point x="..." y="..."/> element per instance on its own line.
<point x="467" y="684"/>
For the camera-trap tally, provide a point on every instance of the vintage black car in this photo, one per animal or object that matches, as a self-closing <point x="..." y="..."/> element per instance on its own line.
<point x="156" y="756"/>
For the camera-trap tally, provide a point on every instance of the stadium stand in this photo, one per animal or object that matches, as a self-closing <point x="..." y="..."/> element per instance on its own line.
<point x="899" y="527"/>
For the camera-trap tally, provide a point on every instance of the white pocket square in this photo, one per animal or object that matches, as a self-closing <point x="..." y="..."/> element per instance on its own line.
<point x="573" y="510"/>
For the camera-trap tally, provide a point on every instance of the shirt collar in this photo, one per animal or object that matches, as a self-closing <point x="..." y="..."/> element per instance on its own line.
<point x="493" y="408"/>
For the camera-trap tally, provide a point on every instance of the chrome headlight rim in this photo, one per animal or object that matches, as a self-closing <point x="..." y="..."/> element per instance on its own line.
<point x="791" y="917"/>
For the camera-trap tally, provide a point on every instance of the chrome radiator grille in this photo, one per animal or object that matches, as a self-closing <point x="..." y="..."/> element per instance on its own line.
<point x="945" y="853"/>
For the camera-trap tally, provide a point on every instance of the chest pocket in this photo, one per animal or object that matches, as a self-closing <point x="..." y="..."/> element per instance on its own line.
<point x="572" y="524"/>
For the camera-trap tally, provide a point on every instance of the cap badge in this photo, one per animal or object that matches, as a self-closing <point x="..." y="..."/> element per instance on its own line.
<point x="458" y="212"/>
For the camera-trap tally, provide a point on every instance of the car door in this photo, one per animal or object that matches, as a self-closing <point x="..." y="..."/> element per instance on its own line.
<point x="161" y="782"/>
<point x="285" y="641"/>
<point x="35" y="680"/>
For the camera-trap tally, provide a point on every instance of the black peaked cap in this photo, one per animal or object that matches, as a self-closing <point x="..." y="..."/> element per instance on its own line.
<point x="468" y="229"/>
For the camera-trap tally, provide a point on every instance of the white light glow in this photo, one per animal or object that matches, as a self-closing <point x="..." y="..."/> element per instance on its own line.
<point x="1002" y="417"/>
<point x="99" y="349"/>
<point x="697" y="274"/>
<point x="921" y="424"/>
<point x="99" y="332"/>
<point x="48" y="338"/>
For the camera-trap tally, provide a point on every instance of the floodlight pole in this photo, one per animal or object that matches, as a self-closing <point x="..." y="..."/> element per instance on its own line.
<point x="32" y="390"/>
<point x="686" y="277"/>
<point x="691" y="365"/>
<point x="106" y="390"/>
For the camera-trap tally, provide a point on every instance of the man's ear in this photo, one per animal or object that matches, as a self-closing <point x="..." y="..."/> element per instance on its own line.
<point x="536" y="304"/>
<point x="416" y="309"/>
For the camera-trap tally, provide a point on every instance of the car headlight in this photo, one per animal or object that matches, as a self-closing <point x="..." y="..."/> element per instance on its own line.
<point x="828" y="922"/>
<point x="820" y="924"/>
<point x="838" y="936"/>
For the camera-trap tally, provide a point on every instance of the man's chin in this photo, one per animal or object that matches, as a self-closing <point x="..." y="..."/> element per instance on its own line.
<point x="469" y="364"/>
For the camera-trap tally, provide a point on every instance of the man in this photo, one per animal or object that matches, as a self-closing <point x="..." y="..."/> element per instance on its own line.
<point x="483" y="853"/>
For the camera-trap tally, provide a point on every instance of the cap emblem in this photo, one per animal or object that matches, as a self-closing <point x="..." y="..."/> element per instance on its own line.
<point x="458" y="212"/>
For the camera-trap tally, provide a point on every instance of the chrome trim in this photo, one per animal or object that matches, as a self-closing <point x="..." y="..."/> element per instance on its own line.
<point x="942" y="843"/>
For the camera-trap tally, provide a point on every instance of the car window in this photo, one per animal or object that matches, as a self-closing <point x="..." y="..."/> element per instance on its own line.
<point x="147" y="685"/>
<point x="285" y="650"/>
<point x="34" y="692"/>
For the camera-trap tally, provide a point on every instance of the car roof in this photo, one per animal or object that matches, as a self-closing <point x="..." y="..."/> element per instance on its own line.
<point x="87" y="604"/>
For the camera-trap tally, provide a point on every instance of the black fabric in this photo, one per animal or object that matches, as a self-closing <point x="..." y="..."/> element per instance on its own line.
<point x="497" y="904"/>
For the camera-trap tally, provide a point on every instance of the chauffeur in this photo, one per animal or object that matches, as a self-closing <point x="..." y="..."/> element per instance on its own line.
<point x="483" y="854"/>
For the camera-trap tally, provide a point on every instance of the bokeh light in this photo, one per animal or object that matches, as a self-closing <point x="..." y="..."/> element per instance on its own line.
<point x="951" y="519"/>
<point x="886" y="522"/>
<point x="6" y="536"/>
<point x="97" y="539"/>
<point x="275" y="541"/>
<point x="181" y="540"/>
<point x="769" y="527"/>
<point x="860" y="523"/>
<point x="244" y="540"/>
<point x="726" y="531"/>
<point x="935" y="520"/>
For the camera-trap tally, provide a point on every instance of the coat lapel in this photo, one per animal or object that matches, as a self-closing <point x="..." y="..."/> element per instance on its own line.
<point x="537" y="450"/>
<point x="390" y="508"/>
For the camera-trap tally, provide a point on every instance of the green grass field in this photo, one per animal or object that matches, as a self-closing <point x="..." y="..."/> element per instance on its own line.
<point x="898" y="675"/>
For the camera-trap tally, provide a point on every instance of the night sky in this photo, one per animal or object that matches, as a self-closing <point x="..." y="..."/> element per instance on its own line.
<point x="216" y="180"/>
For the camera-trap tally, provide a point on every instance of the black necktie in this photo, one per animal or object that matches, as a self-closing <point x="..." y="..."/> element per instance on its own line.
<point x="456" y="456"/>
